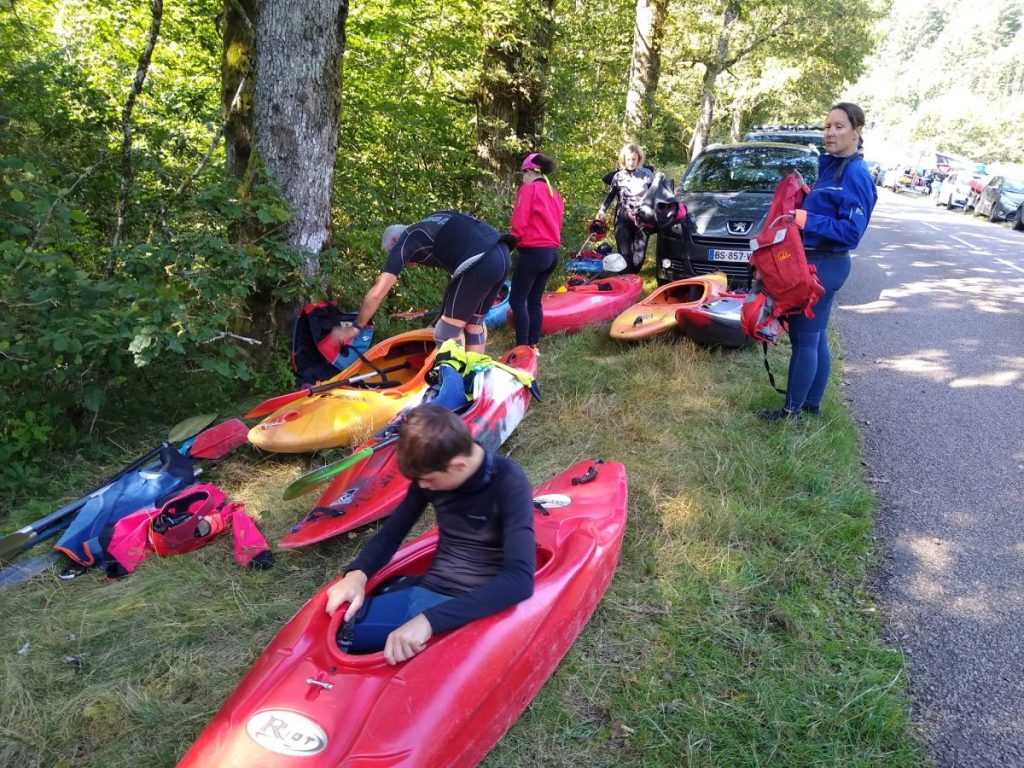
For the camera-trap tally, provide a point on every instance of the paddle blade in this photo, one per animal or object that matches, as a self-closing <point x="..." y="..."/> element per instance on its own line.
<point x="183" y="430"/>
<point x="23" y="570"/>
<point x="217" y="442"/>
<point x="13" y="545"/>
<point x="267" y="407"/>
<point x="311" y="480"/>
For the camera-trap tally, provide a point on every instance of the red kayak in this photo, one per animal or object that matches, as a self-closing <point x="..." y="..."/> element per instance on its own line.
<point x="715" y="323"/>
<point x="372" y="488"/>
<point x="305" y="704"/>
<point x="596" y="301"/>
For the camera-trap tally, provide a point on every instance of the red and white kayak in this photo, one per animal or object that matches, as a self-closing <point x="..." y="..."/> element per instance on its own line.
<point x="305" y="704"/>
<point x="596" y="301"/>
<point x="715" y="323"/>
<point x="373" y="488"/>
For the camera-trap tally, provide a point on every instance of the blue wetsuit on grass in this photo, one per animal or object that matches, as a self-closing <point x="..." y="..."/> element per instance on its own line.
<point x="485" y="560"/>
<point x="838" y="209"/>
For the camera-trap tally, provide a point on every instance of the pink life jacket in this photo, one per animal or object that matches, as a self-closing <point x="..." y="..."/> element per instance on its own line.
<point x="187" y="521"/>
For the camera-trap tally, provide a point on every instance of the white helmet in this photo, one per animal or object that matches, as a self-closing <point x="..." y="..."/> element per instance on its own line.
<point x="614" y="263"/>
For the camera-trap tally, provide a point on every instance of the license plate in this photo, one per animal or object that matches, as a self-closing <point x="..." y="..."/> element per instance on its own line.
<point x="716" y="254"/>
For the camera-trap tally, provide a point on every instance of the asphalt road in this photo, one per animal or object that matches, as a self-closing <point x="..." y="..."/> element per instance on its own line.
<point x="932" y="328"/>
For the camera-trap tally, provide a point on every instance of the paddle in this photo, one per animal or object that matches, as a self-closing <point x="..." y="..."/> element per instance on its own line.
<point x="267" y="407"/>
<point x="311" y="480"/>
<point x="193" y="425"/>
<point x="217" y="442"/>
<point x="25" y="569"/>
<point x="50" y="525"/>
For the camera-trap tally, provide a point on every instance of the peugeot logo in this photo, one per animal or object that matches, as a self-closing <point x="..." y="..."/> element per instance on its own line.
<point x="738" y="227"/>
<point x="286" y="733"/>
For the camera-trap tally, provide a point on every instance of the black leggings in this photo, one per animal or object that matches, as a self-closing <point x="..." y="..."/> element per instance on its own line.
<point x="529" y="279"/>
<point x="631" y="240"/>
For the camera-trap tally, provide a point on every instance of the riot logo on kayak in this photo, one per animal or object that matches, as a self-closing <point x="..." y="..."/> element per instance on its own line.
<point x="284" y="732"/>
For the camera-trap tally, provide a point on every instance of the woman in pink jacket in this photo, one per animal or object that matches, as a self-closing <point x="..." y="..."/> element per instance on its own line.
<point x="537" y="227"/>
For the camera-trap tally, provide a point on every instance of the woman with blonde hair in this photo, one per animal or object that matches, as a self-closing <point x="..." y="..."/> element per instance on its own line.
<point x="629" y="184"/>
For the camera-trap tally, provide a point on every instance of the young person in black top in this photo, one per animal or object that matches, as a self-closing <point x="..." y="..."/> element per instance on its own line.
<point x="476" y="256"/>
<point x="486" y="552"/>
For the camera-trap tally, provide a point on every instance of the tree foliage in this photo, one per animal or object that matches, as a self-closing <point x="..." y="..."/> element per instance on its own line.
<point x="949" y="80"/>
<point x="75" y="341"/>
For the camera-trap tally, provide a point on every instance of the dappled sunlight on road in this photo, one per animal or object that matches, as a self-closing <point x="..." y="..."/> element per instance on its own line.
<point x="934" y="580"/>
<point x="934" y="560"/>
<point x="983" y="294"/>
<point x="995" y="379"/>
<point x="928" y="363"/>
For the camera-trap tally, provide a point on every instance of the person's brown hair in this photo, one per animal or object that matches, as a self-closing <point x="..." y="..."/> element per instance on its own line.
<point x="431" y="437"/>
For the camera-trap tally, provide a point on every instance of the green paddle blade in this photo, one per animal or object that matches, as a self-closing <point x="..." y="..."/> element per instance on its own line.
<point x="193" y="425"/>
<point x="311" y="480"/>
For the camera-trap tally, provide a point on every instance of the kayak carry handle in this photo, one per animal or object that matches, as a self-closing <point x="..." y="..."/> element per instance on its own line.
<point x="586" y="477"/>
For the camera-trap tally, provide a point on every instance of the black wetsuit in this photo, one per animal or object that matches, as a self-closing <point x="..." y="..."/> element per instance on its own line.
<point x="475" y="254"/>
<point x="486" y="554"/>
<point x="630" y="238"/>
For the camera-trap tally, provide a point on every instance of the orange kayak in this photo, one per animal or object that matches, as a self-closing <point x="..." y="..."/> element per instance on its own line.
<point x="656" y="314"/>
<point x="348" y="413"/>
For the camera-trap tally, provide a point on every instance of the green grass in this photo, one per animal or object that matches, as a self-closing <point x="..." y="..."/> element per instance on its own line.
<point x="738" y="630"/>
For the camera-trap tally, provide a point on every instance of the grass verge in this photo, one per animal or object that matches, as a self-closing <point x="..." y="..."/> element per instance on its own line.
<point x="737" y="631"/>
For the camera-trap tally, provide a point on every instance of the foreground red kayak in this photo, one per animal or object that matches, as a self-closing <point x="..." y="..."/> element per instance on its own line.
<point x="305" y="704"/>
<point x="597" y="301"/>
<point x="372" y="488"/>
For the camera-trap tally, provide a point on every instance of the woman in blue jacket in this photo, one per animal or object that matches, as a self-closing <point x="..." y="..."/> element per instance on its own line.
<point x="833" y="219"/>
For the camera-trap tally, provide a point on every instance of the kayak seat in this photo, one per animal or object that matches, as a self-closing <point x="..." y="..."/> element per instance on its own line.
<point x="450" y="391"/>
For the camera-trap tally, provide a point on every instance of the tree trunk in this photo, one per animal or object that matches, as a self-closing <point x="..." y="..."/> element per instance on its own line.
<point x="712" y="70"/>
<point x="645" y="66"/>
<point x="141" y="70"/>
<point x="296" y="102"/>
<point x="510" y="97"/>
<point x="236" y="70"/>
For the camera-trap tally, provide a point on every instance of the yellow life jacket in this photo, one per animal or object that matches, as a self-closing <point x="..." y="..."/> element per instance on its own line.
<point x="453" y="354"/>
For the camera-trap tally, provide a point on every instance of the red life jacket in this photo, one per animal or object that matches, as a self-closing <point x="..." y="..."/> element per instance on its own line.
<point x="187" y="521"/>
<point x="784" y="283"/>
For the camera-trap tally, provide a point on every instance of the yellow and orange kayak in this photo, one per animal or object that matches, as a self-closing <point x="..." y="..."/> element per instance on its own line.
<point x="656" y="314"/>
<point x="392" y="379"/>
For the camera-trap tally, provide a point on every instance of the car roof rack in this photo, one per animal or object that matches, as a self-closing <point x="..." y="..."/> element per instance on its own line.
<point x="786" y="127"/>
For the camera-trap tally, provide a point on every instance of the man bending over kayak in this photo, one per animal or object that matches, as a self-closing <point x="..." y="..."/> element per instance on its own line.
<point x="486" y="554"/>
<point x="475" y="254"/>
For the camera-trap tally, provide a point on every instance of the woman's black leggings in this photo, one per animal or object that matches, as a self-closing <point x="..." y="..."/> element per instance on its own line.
<point x="631" y="240"/>
<point x="529" y="278"/>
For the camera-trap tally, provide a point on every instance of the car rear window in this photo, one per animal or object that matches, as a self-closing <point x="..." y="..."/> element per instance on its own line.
<point x="747" y="169"/>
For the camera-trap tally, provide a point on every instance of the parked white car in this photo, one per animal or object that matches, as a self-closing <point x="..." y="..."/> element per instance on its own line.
<point x="955" y="188"/>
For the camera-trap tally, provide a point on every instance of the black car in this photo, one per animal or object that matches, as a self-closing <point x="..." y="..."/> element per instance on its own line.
<point x="1000" y="198"/>
<point x="727" y="191"/>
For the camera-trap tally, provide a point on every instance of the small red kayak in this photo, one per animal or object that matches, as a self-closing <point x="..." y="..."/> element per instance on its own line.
<point x="715" y="323"/>
<point x="372" y="488"/>
<point x="306" y="704"/>
<point x="596" y="301"/>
